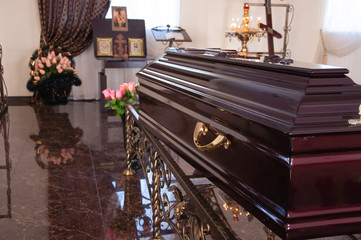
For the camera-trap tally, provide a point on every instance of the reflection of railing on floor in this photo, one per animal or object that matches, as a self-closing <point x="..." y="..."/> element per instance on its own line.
<point x="132" y="214"/>
<point x="130" y="211"/>
<point x="5" y="133"/>
<point x="3" y="90"/>
<point x="7" y="167"/>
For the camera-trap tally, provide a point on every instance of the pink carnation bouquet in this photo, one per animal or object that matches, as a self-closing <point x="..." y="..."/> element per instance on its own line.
<point x="52" y="64"/>
<point x="119" y="98"/>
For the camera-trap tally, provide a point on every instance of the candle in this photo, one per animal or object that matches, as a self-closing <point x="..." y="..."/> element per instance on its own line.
<point x="233" y="25"/>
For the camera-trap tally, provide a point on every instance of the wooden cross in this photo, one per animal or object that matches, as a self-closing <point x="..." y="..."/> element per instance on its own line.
<point x="270" y="32"/>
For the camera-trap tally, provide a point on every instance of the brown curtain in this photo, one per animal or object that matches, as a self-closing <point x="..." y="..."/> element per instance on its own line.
<point x="68" y="23"/>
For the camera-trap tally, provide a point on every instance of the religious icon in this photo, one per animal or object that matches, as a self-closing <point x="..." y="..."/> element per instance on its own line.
<point x="120" y="47"/>
<point x="104" y="47"/>
<point x="119" y="19"/>
<point x="136" y="47"/>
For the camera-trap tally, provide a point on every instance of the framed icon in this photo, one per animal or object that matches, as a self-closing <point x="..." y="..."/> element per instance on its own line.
<point x="136" y="47"/>
<point x="119" y="19"/>
<point x="104" y="46"/>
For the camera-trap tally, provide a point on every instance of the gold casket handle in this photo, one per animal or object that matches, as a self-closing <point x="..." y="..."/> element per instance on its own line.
<point x="202" y="129"/>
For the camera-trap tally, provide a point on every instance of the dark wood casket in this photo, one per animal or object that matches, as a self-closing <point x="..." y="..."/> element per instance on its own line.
<point x="278" y="139"/>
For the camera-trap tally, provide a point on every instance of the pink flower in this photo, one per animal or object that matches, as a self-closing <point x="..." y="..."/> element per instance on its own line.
<point x="107" y="93"/>
<point x="60" y="56"/>
<point x="49" y="56"/>
<point x="48" y="63"/>
<point x="110" y="234"/>
<point x="112" y="94"/>
<point x="41" y="65"/>
<point x="60" y="70"/>
<point x="42" y="72"/>
<point x="118" y="94"/>
<point x="131" y="87"/>
<point x="52" y="54"/>
<point x="62" y="61"/>
<point x="46" y="152"/>
<point x="67" y="62"/>
<point x="54" y="60"/>
<point x="125" y="85"/>
<point x="43" y="59"/>
<point x="122" y="89"/>
<point x="37" y="78"/>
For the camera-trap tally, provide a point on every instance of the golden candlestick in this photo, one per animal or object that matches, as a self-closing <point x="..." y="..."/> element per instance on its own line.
<point x="246" y="32"/>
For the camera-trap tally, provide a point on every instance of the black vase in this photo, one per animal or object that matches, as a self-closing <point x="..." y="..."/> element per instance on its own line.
<point x="56" y="89"/>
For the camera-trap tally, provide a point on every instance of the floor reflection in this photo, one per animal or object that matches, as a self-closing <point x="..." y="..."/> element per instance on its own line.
<point x="5" y="168"/>
<point x="75" y="188"/>
<point x="57" y="138"/>
<point x="130" y="220"/>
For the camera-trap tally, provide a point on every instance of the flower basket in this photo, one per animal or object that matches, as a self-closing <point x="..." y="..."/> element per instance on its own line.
<point x="52" y="75"/>
<point x="56" y="89"/>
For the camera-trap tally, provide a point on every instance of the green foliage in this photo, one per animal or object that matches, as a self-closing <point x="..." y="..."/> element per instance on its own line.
<point x="119" y="105"/>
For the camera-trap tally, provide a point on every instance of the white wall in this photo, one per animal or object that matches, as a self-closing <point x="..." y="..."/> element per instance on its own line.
<point x="19" y="37"/>
<point x="204" y="20"/>
<point x="305" y="39"/>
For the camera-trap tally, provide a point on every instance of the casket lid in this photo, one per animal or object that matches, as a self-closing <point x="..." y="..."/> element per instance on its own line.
<point x="300" y="98"/>
<point x="297" y="67"/>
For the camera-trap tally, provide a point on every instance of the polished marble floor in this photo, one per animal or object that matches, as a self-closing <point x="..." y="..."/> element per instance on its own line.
<point x="61" y="178"/>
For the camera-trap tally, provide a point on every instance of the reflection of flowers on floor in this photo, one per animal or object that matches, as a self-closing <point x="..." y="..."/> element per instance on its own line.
<point x="63" y="156"/>
<point x="57" y="138"/>
<point x="112" y="235"/>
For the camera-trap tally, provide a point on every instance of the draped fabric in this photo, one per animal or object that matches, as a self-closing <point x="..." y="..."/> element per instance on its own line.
<point x="342" y="35"/>
<point x="341" y="43"/>
<point x="342" y="27"/>
<point x="68" y="23"/>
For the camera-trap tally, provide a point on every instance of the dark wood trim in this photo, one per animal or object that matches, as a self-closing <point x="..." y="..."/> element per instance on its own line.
<point x="18" y="101"/>
<point x="25" y="100"/>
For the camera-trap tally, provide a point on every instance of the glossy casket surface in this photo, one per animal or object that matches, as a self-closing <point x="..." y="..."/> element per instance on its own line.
<point x="294" y="161"/>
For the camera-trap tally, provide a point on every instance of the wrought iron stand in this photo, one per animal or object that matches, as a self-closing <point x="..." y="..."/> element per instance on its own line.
<point x="4" y="131"/>
<point x="3" y="93"/>
<point x="191" y="215"/>
<point x="160" y="170"/>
